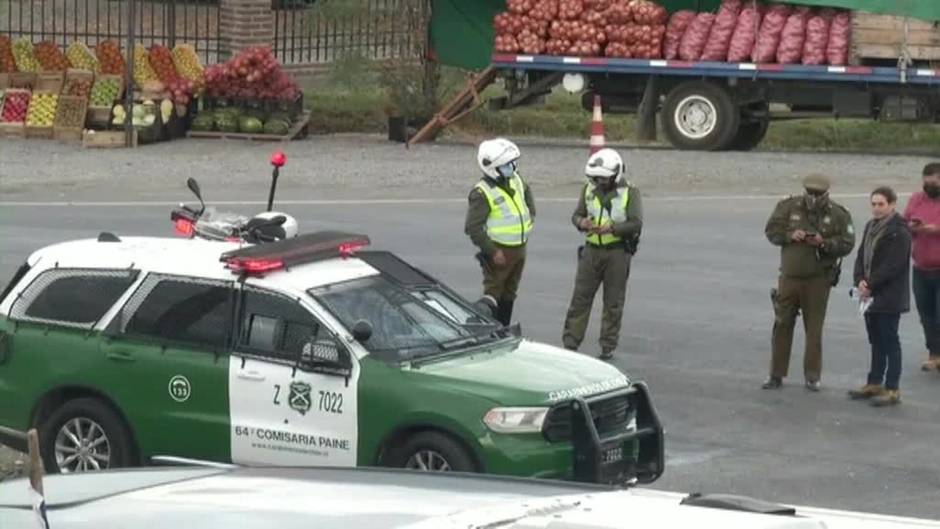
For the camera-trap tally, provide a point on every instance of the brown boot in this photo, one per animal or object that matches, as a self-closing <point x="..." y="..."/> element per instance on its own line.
<point x="890" y="397"/>
<point x="866" y="392"/>
<point x="932" y="363"/>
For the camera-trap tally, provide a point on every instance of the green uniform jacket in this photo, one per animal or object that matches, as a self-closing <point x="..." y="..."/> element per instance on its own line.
<point x="830" y="220"/>
<point x="628" y="230"/>
<point x="479" y="210"/>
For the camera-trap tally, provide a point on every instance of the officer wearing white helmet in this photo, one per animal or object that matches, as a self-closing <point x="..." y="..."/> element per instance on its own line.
<point x="499" y="220"/>
<point x="610" y="214"/>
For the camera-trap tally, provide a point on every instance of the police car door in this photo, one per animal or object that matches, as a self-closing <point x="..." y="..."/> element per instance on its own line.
<point x="292" y="387"/>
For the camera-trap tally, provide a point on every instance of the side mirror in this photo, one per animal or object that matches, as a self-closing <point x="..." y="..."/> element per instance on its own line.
<point x="362" y="331"/>
<point x="193" y="186"/>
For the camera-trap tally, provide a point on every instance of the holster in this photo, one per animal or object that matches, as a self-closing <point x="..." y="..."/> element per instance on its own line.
<point x="484" y="261"/>
<point x="834" y="273"/>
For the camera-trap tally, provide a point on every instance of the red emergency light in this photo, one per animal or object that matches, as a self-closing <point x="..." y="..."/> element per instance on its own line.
<point x="308" y="248"/>
<point x="184" y="227"/>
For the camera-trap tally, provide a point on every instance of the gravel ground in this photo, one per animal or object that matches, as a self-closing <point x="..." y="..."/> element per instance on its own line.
<point x="351" y="166"/>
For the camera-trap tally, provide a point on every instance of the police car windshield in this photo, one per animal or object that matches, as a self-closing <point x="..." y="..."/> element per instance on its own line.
<point x="404" y="326"/>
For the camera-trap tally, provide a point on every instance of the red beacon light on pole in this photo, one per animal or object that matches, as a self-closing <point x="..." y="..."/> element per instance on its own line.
<point x="312" y="247"/>
<point x="278" y="159"/>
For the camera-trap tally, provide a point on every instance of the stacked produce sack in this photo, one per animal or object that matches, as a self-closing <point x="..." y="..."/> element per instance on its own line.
<point x="589" y="28"/>
<point x="751" y="31"/>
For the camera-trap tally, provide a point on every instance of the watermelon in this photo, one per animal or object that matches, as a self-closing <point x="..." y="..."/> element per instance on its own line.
<point x="203" y="122"/>
<point x="250" y="125"/>
<point x="276" y="127"/>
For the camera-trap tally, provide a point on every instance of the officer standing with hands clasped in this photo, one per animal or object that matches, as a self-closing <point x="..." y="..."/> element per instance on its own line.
<point x="500" y="217"/>
<point x="610" y="214"/>
<point x="813" y="234"/>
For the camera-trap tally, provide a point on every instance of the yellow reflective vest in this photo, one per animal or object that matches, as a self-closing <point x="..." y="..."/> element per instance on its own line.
<point x="603" y="217"/>
<point x="510" y="221"/>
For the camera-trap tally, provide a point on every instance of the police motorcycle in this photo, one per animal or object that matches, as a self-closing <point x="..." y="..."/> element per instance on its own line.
<point x="210" y="224"/>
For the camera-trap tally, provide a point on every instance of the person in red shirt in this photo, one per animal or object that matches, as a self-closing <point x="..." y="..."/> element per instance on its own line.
<point x="923" y="217"/>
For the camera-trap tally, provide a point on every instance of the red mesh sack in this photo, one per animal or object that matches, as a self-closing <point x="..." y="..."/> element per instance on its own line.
<point x="837" y="49"/>
<point x="817" y="37"/>
<point x="768" y="38"/>
<point x="676" y="28"/>
<point x="719" y="39"/>
<point x="745" y="33"/>
<point x="793" y="37"/>
<point x="693" y="41"/>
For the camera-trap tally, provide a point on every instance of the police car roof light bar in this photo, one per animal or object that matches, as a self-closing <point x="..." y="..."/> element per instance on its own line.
<point x="317" y="246"/>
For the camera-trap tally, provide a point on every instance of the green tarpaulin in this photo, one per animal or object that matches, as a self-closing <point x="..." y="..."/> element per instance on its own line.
<point x="462" y="30"/>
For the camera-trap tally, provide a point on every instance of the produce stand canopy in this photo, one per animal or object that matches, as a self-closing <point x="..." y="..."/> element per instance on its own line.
<point x="462" y="30"/>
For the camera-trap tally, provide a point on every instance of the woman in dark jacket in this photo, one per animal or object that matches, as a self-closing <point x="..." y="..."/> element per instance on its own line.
<point x="882" y="274"/>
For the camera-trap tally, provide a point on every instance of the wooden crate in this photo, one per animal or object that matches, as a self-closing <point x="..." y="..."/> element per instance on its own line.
<point x="104" y="139"/>
<point x="70" y="132"/>
<point x="24" y="80"/>
<point x="299" y="128"/>
<point x="43" y="133"/>
<point x="99" y="116"/>
<point x="4" y="81"/>
<point x="77" y="74"/>
<point x="49" y="82"/>
<point x="12" y="130"/>
<point x="882" y="37"/>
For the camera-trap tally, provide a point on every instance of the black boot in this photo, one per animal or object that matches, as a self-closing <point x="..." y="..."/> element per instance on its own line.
<point x="504" y="312"/>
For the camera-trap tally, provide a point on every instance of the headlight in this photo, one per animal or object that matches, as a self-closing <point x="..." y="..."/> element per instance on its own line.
<point x="515" y="420"/>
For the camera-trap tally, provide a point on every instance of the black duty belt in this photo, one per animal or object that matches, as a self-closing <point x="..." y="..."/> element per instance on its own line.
<point x="612" y="246"/>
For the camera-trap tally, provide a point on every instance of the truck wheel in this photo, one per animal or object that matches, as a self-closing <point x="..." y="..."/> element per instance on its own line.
<point x="750" y="135"/>
<point x="699" y="116"/>
<point x="431" y="452"/>
<point x="84" y="435"/>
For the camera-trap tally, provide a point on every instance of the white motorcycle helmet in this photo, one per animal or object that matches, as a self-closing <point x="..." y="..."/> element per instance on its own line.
<point x="273" y="232"/>
<point x="498" y="158"/>
<point x="605" y="163"/>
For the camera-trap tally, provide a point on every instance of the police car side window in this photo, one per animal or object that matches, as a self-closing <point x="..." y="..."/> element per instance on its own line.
<point x="71" y="297"/>
<point x="186" y="311"/>
<point x="276" y="326"/>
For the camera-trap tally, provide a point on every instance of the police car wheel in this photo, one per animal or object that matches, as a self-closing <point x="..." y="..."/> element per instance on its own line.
<point x="432" y="452"/>
<point x="85" y="435"/>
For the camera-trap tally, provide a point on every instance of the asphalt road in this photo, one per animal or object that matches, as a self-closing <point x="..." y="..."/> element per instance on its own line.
<point x="696" y="328"/>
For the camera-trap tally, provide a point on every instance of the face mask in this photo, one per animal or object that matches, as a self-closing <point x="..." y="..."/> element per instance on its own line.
<point x="506" y="170"/>
<point x="932" y="191"/>
<point x="814" y="199"/>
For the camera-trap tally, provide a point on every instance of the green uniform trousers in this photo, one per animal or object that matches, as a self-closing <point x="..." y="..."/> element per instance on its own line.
<point x="610" y="266"/>
<point x="810" y="296"/>
<point x="502" y="282"/>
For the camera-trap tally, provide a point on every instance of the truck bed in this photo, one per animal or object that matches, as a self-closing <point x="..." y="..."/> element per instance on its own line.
<point x="867" y="74"/>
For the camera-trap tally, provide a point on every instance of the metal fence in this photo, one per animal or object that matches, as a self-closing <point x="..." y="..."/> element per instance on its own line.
<point x="323" y="31"/>
<point x="166" y="22"/>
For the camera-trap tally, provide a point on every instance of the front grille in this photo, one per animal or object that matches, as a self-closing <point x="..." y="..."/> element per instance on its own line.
<point x="609" y="415"/>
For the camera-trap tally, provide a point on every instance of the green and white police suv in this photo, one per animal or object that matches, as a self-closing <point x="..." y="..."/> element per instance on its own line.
<point x="302" y="352"/>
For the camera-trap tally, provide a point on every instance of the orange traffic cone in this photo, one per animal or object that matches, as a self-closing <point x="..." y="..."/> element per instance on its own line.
<point x="597" y="127"/>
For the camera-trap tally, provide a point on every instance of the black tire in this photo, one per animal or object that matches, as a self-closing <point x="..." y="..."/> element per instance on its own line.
<point x="749" y="135"/>
<point x="700" y="105"/>
<point x="115" y="452"/>
<point x="452" y="452"/>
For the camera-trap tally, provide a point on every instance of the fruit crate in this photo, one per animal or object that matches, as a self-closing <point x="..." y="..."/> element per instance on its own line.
<point x="4" y="81"/>
<point x="25" y="80"/>
<point x="100" y="116"/>
<point x="106" y="139"/>
<point x="49" y="82"/>
<point x="74" y="75"/>
<point x="13" y="129"/>
<point x="40" y="131"/>
<point x="70" y="119"/>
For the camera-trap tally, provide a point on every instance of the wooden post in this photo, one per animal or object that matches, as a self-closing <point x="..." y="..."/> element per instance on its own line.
<point x="35" y="461"/>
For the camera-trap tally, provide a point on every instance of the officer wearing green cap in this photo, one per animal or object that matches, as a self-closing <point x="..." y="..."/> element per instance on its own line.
<point x="813" y="233"/>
